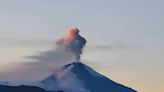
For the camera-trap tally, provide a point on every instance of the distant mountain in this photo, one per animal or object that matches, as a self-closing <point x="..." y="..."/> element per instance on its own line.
<point x="4" y="88"/>
<point x="77" y="77"/>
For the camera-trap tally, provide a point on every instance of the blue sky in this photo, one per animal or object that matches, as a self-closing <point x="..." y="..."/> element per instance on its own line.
<point x="125" y="37"/>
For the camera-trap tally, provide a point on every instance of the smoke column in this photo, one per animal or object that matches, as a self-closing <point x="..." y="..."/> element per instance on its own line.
<point x="73" y="42"/>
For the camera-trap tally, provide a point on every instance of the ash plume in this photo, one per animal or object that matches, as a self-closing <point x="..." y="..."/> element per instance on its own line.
<point x="68" y="49"/>
<point x="73" y="42"/>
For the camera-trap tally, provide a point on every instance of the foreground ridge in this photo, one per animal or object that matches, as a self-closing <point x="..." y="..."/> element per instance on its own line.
<point x="22" y="88"/>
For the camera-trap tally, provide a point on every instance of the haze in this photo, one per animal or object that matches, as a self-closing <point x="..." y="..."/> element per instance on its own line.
<point x="125" y="37"/>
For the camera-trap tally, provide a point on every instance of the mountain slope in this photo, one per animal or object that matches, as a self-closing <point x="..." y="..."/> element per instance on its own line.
<point x="75" y="76"/>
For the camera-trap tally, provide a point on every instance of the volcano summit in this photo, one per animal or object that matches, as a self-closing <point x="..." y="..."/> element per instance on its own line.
<point x="78" y="77"/>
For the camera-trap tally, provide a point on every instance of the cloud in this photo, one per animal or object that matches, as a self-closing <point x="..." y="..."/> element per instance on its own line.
<point x="24" y="42"/>
<point x="113" y="46"/>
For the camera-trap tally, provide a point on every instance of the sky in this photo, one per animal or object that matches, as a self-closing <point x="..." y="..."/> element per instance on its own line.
<point x="125" y="37"/>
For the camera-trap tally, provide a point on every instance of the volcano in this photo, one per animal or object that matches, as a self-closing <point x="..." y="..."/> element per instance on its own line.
<point x="78" y="77"/>
<point x="73" y="77"/>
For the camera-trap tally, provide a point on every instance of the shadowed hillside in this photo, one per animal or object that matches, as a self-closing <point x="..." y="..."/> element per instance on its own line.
<point x="23" y="89"/>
